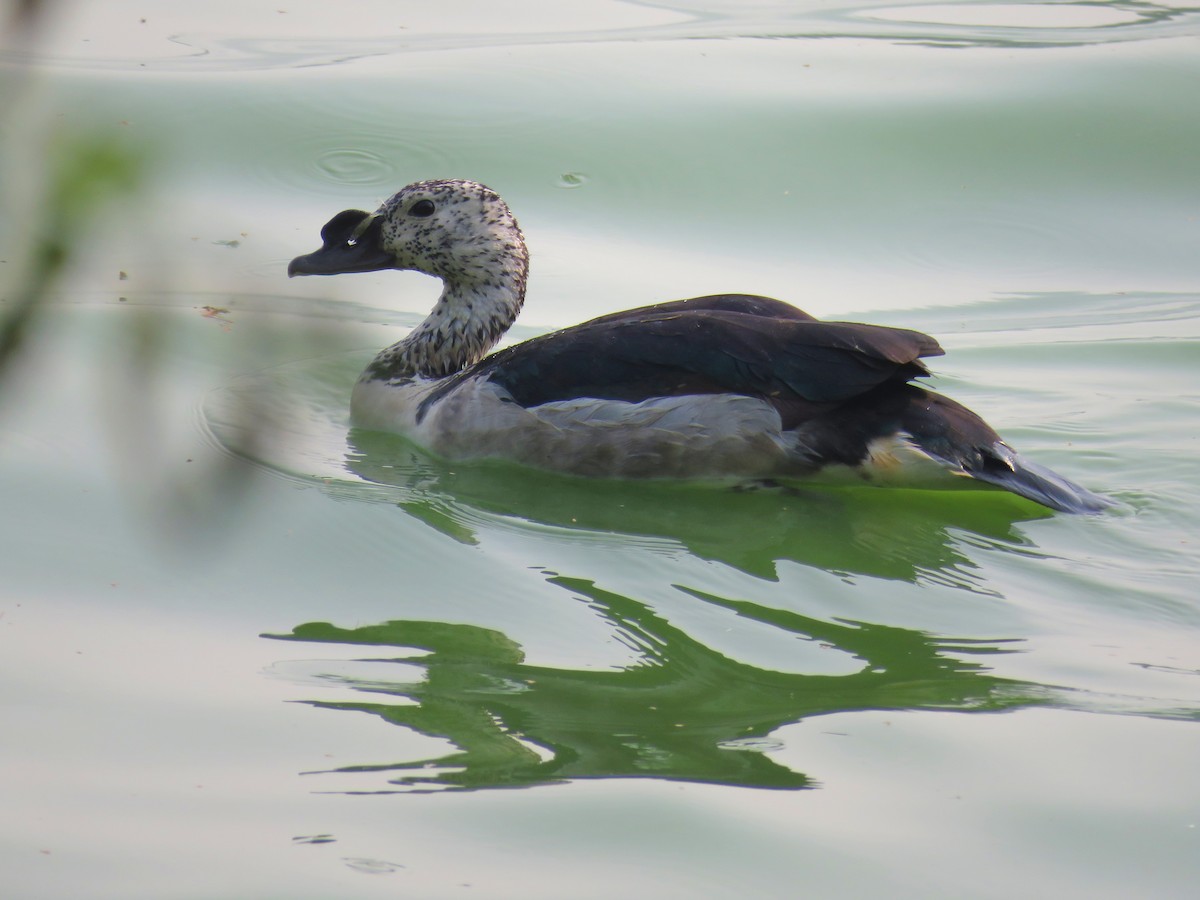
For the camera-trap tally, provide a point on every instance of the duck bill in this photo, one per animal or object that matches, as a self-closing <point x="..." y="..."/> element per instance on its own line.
<point x="338" y="260"/>
<point x="352" y="243"/>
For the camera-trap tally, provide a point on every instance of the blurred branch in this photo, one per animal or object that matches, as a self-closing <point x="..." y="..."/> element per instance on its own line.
<point x="65" y="192"/>
<point x="86" y="174"/>
<point x="49" y="210"/>
<point x="25" y="15"/>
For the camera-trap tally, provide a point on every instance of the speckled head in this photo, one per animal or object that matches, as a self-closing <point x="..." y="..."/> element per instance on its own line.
<point x="460" y="231"/>
<point x="453" y="229"/>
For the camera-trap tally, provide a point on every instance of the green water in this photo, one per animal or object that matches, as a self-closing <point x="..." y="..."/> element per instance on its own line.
<point x="246" y="651"/>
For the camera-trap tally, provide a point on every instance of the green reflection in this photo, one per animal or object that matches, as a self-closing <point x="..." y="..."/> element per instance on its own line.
<point x="683" y="711"/>
<point x="899" y="534"/>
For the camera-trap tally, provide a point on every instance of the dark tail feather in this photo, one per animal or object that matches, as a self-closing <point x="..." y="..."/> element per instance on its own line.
<point x="1013" y="472"/>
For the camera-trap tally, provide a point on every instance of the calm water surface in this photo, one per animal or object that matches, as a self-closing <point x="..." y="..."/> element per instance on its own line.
<point x="246" y="651"/>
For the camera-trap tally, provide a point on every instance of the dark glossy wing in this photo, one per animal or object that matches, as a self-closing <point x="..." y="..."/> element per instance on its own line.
<point x="751" y="304"/>
<point x="725" y="344"/>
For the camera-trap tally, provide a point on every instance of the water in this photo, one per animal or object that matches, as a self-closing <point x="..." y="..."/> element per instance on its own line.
<point x="248" y="651"/>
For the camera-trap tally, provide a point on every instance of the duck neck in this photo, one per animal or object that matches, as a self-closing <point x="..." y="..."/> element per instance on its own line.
<point x="468" y="320"/>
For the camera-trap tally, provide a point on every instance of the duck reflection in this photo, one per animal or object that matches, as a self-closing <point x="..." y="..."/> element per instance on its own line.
<point x="682" y="711"/>
<point x="900" y="534"/>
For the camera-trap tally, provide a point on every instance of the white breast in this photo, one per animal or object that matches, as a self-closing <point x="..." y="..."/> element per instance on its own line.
<point x="380" y="406"/>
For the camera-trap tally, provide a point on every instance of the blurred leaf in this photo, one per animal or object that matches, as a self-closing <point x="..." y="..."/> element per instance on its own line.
<point x="87" y="173"/>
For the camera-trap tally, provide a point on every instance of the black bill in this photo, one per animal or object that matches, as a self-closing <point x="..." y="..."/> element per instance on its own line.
<point x="351" y="242"/>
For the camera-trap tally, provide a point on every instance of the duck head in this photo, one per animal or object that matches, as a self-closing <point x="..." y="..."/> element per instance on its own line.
<point x="459" y="231"/>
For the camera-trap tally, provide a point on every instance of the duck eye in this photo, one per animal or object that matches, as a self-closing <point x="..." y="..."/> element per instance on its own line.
<point x="422" y="209"/>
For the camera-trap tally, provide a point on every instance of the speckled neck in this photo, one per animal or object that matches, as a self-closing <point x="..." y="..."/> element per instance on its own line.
<point x="464" y="234"/>
<point x="466" y="323"/>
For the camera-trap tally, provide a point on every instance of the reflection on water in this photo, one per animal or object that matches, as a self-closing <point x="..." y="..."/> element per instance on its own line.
<point x="910" y="535"/>
<point x="840" y="174"/>
<point x="683" y="711"/>
<point x="919" y="536"/>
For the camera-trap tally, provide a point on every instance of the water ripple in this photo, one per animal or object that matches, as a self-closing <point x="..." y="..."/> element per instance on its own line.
<point x="1030" y="24"/>
<point x="331" y="42"/>
<point x="572" y="180"/>
<point x="323" y="162"/>
<point x="1004" y="239"/>
<point x="347" y="165"/>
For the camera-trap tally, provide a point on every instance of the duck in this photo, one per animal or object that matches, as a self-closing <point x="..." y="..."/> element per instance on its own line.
<point x="728" y="386"/>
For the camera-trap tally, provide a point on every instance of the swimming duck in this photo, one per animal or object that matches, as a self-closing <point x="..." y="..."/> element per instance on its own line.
<point x="730" y="385"/>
